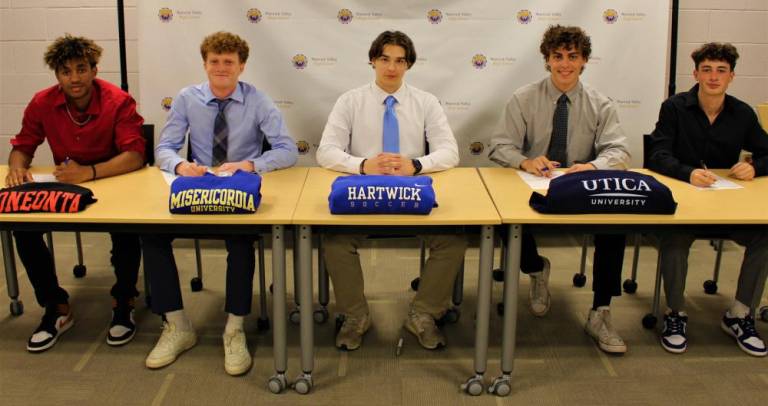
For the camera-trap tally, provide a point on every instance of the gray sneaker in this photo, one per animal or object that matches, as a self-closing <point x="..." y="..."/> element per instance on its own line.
<point x="350" y="335"/>
<point x="600" y="328"/>
<point x="538" y="293"/>
<point x="423" y="326"/>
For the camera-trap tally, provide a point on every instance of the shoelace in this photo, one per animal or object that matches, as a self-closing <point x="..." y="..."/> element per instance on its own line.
<point x="747" y="325"/>
<point x="232" y="349"/>
<point x="675" y="325"/>
<point x="423" y="321"/>
<point x="352" y="324"/>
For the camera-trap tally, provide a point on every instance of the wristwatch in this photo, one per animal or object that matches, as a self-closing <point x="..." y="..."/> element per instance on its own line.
<point x="416" y="166"/>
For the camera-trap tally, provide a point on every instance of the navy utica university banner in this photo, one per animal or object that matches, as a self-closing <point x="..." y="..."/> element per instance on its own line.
<point x="471" y="55"/>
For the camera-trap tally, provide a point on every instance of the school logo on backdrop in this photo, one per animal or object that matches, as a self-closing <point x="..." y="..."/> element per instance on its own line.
<point x="165" y="14"/>
<point x="165" y="103"/>
<point x="345" y="16"/>
<point x="300" y="61"/>
<point x="303" y="147"/>
<point x="479" y="61"/>
<point x="254" y="15"/>
<point x="476" y="148"/>
<point x="610" y="16"/>
<point x="524" y="16"/>
<point x="435" y="16"/>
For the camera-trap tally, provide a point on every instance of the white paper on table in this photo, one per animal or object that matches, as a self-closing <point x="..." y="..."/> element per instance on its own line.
<point x="44" y="177"/>
<point x="721" y="184"/>
<point x="538" y="182"/>
<point x="169" y="177"/>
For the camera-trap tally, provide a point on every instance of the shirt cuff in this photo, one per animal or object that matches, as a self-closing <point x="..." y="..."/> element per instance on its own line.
<point x="259" y="166"/>
<point x="172" y="163"/>
<point x="354" y="165"/>
<point x="600" y="163"/>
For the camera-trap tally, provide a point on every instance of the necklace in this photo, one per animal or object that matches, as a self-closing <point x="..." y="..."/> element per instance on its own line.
<point x="79" y="123"/>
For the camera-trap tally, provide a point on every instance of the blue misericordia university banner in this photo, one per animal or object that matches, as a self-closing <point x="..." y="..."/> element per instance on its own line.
<point x="471" y="55"/>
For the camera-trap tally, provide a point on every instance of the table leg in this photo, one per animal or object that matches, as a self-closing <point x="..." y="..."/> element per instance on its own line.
<point x="303" y="383"/>
<point x="474" y="385"/>
<point x="11" y="280"/>
<point x="278" y="382"/>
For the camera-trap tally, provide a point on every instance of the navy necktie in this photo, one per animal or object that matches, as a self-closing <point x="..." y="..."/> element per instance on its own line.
<point x="220" y="134"/>
<point x="391" y="127"/>
<point x="558" y="144"/>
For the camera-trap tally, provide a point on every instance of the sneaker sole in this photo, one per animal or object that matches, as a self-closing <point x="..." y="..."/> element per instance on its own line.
<point x="120" y="342"/>
<point x="167" y="361"/>
<point x="612" y="349"/>
<point x="743" y="348"/>
<point x="672" y="349"/>
<point x="55" y="339"/>
<point x="240" y="370"/>
<point x="412" y="331"/>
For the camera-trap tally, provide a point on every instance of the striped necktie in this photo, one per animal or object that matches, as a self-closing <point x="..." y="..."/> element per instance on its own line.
<point x="558" y="144"/>
<point x="391" y="127"/>
<point x="220" y="134"/>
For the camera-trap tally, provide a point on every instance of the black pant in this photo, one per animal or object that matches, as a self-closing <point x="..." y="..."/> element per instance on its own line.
<point x="160" y="265"/>
<point x="608" y="261"/>
<point x="37" y="260"/>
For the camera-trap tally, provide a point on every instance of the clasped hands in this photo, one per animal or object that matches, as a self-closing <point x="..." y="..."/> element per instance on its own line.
<point x="541" y="166"/>
<point x="387" y="163"/>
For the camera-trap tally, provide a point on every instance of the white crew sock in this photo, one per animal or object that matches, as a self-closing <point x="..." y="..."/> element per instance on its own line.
<point x="234" y="323"/>
<point x="738" y="309"/>
<point x="179" y="319"/>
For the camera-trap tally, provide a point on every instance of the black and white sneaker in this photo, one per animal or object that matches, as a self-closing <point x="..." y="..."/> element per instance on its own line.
<point x="743" y="330"/>
<point x="122" y="329"/>
<point x="673" y="335"/>
<point x="56" y="320"/>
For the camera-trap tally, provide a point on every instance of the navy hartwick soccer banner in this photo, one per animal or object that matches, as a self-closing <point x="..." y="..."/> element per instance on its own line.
<point x="382" y="194"/>
<point x="211" y="194"/>
<point x="605" y="191"/>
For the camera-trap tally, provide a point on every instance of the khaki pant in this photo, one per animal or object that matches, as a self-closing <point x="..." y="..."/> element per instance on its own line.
<point x="446" y="256"/>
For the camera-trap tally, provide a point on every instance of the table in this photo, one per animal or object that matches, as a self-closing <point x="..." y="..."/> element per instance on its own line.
<point x="697" y="210"/>
<point x="138" y="202"/>
<point x="463" y="201"/>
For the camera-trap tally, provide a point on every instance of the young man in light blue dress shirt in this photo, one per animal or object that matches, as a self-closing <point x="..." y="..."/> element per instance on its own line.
<point x="227" y="122"/>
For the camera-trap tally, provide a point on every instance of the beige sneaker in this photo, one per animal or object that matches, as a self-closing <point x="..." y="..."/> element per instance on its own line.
<point x="423" y="327"/>
<point x="538" y="293"/>
<point x="171" y="344"/>
<point x="600" y="328"/>
<point x="237" y="359"/>
<point x="350" y="335"/>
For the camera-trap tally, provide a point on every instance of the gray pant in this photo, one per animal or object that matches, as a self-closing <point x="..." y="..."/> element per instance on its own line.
<point x="446" y="254"/>
<point x="674" y="249"/>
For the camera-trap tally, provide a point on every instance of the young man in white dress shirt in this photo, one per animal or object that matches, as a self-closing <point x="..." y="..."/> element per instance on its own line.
<point x="357" y="139"/>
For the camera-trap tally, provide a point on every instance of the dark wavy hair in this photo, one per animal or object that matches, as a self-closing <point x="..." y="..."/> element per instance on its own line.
<point x="223" y="42"/>
<point x="393" y="38"/>
<point x="67" y="48"/>
<point x="716" y="51"/>
<point x="572" y="37"/>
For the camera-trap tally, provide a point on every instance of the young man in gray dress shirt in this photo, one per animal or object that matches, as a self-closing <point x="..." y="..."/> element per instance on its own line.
<point x="561" y="122"/>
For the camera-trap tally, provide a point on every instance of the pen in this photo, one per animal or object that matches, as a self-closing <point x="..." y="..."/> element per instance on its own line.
<point x="66" y="160"/>
<point x="703" y="165"/>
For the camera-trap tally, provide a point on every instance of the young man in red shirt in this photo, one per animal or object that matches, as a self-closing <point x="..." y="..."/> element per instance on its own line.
<point x="93" y="131"/>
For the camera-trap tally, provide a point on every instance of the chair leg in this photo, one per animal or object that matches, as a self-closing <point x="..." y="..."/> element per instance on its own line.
<point x="580" y="279"/>
<point x="630" y="285"/>
<point x="262" y="324"/>
<point x="710" y="286"/>
<point x="49" y="240"/>
<point x="197" y="282"/>
<point x="650" y="319"/>
<point x="323" y="286"/>
<point x="79" y="269"/>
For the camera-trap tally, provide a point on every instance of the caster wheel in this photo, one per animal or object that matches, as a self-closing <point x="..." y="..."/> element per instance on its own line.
<point x="500" y="386"/>
<point x="294" y="316"/>
<point x="415" y="284"/>
<point x="277" y="383"/>
<point x="451" y="316"/>
<point x="579" y="280"/>
<point x="500" y="309"/>
<point x="764" y="313"/>
<point x="17" y="308"/>
<point x="474" y="386"/>
<point x="630" y="286"/>
<point x="196" y="284"/>
<point x="498" y="275"/>
<point x="79" y="271"/>
<point x="649" y="321"/>
<point x="262" y="324"/>
<point x="303" y="384"/>
<point x="320" y="315"/>
<point x="710" y="287"/>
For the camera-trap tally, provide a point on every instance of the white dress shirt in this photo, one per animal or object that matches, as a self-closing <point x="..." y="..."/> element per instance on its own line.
<point x="354" y="130"/>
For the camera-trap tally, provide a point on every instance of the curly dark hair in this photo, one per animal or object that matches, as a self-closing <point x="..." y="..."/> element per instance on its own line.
<point x="393" y="38"/>
<point x="716" y="51"/>
<point x="572" y="37"/>
<point x="223" y="42"/>
<point x="67" y="48"/>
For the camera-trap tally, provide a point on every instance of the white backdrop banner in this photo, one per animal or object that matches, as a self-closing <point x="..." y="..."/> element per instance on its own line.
<point x="471" y="55"/>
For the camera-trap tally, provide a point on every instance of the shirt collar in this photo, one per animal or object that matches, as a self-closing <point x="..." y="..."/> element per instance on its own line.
<point x="237" y="95"/>
<point x="691" y="99"/>
<point x="94" y="107"/>
<point x="554" y="93"/>
<point x="401" y="94"/>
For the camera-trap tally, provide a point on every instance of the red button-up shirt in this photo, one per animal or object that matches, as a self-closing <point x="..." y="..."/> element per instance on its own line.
<point x="114" y="126"/>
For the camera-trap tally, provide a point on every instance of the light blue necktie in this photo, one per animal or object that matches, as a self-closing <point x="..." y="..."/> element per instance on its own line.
<point x="391" y="127"/>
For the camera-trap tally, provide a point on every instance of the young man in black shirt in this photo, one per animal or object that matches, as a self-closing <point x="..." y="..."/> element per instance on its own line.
<point x="707" y="128"/>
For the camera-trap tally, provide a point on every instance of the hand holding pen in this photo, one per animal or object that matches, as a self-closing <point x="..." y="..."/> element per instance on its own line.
<point x="539" y="166"/>
<point x="702" y="177"/>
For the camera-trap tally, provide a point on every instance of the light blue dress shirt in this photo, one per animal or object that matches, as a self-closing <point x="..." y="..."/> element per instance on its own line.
<point x="251" y="116"/>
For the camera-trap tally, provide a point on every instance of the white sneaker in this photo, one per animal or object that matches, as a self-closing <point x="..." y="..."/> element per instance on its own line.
<point x="237" y="359"/>
<point x="171" y="344"/>
<point x="538" y="293"/>
<point x="600" y="328"/>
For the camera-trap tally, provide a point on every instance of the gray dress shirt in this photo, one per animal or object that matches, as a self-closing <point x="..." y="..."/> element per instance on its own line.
<point x="525" y="128"/>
